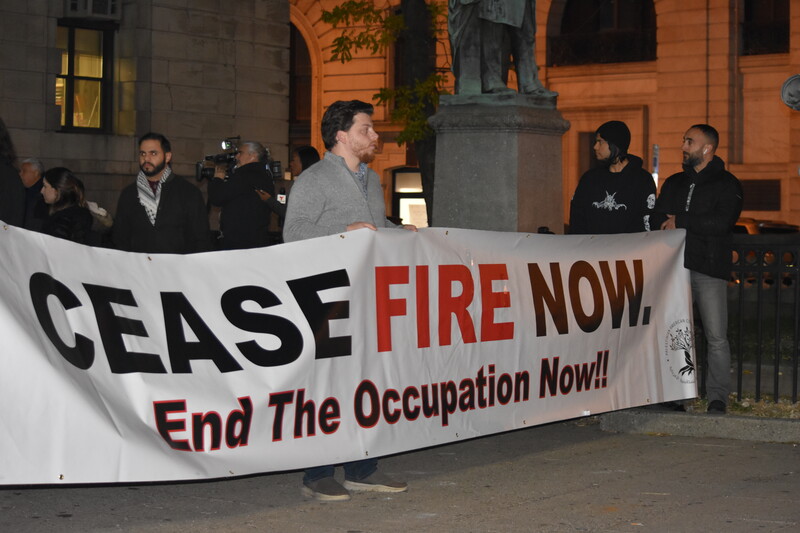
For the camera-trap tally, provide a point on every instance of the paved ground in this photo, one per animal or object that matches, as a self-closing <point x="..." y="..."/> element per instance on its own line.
<point x="564" y="477"/>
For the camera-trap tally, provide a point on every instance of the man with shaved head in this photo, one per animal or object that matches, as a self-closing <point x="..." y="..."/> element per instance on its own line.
<point x="705" y="200"/>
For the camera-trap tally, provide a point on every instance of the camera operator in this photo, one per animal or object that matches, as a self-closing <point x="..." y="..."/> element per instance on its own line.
<point x="244" y="220"/>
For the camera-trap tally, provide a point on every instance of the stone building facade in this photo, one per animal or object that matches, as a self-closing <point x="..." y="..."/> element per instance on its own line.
<point x="200" y="71"/>
<point x="698" y="74"/>
<point x="197" y="71"/>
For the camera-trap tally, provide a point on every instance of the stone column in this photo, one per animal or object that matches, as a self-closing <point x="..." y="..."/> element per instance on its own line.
<point x="498" y="163"/>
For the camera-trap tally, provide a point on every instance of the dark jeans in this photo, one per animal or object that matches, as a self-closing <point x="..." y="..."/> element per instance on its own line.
<point x="355" y="471"/>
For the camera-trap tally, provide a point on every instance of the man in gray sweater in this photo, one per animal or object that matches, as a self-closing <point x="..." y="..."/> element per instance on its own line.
<point x="340" y="193"/>
<point x="335" y="195"/>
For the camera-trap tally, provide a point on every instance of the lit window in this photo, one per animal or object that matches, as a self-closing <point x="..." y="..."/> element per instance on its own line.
<point x="83" y="84"/>
<point x="407" y="198"/>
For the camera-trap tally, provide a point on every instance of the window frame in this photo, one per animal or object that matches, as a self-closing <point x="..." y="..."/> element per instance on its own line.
<point x="107" y="28"/>
<point x="614" y="43"/>
<point x="762" y="37"/>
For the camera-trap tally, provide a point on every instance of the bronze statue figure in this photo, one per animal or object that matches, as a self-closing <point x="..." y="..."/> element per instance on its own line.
<point x="483" y="34"/>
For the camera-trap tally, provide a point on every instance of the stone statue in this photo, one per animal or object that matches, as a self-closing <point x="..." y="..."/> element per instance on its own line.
<point x="480" y="34"/>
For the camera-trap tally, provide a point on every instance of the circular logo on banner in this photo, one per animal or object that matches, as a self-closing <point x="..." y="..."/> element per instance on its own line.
<point x="679" y="351"/>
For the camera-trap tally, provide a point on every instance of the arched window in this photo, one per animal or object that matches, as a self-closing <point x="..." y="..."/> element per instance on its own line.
<point x="765" y="27"/>
<point x="604" y="31"/>
<point x="299" y="90"/>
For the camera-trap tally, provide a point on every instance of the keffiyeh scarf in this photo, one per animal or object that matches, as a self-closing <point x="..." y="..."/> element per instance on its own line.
<point x="146" y="197"/>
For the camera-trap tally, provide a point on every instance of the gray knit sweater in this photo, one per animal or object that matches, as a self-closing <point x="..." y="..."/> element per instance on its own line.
<point x="325" y="199"/>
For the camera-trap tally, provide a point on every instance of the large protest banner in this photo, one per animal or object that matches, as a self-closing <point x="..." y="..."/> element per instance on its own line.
<point x="121" y="367"/>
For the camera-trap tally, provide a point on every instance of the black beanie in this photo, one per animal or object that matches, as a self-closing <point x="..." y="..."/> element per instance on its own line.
<point x="616" y="133"/>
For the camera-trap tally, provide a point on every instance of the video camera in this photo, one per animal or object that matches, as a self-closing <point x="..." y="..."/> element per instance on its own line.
<point x="227" y="157"/>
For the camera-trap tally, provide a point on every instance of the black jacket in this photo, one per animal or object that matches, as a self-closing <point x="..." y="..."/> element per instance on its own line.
<point x="181" y="222"/>
<point x="35" y="208"/>
<point x="244" y="220"/>
<point x="613" y="202"/>
<point x="73" y="223"/>
<point x="708" y="216"/>
<point x="12" y="195"/>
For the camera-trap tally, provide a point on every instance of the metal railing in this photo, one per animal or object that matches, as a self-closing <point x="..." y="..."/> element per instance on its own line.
<point x="764" y="315"/>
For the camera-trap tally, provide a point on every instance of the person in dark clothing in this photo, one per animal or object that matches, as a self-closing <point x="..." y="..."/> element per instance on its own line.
<point x="12" y="193"/>
<point x="160" y="212"/>
<point x="69" y="218"/>
<point x="705" y="200"/>
<point x="619" y="195"/>
<point x="36" y="211"/>
<point x="244" y="220"/>
<point x="302" y="158"/>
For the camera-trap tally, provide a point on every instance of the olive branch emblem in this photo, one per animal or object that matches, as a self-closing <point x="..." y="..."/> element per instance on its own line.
<point x="682" y="340"/>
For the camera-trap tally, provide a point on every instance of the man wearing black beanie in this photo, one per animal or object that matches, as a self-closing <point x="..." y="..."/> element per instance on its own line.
<point x="619" y="195"/>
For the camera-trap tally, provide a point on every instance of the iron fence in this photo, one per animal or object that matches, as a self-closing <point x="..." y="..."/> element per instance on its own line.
<point x="764" y="316"/>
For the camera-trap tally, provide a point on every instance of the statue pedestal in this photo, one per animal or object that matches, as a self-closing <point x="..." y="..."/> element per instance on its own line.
<point x="498" y="163"/>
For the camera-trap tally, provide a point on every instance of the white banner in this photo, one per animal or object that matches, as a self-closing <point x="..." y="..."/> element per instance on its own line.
<point x="123" y="367"/>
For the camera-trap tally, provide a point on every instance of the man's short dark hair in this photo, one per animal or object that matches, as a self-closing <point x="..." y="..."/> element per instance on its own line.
<point x="710" y="132"/>
<point x="339" y="117"/>
<point x="152" y="136"/>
